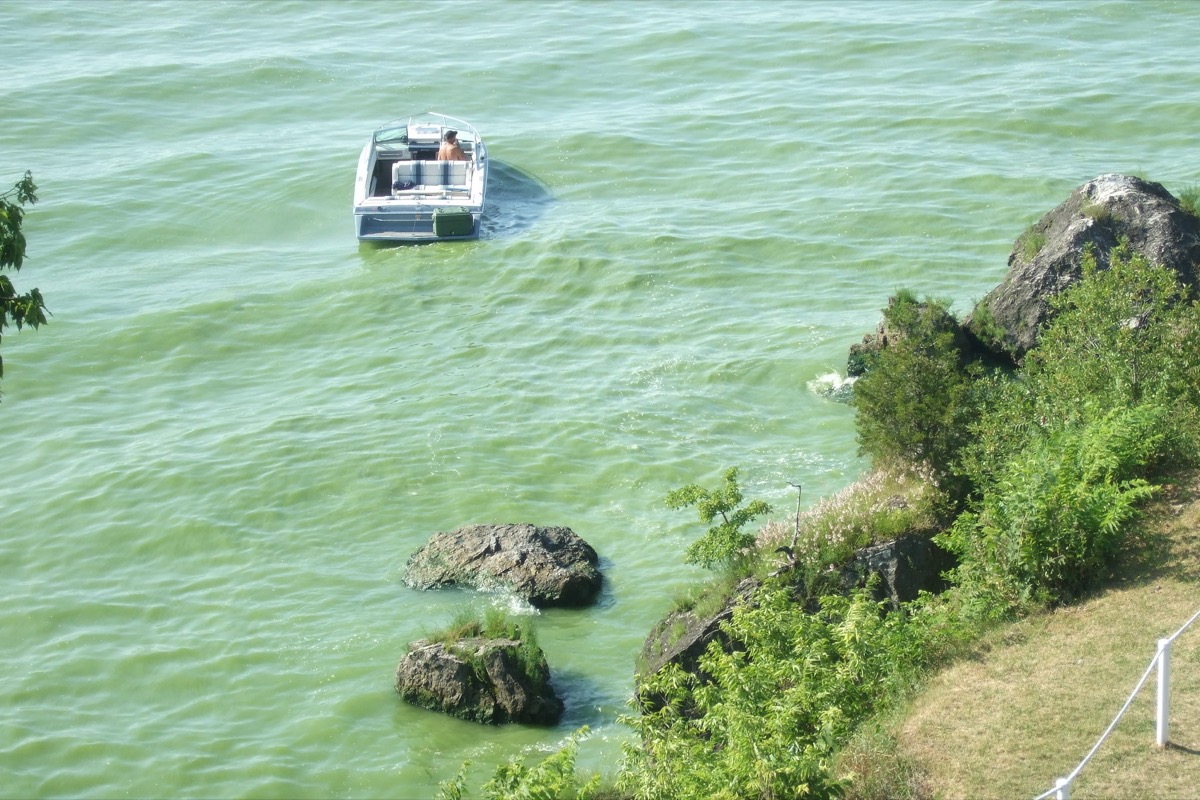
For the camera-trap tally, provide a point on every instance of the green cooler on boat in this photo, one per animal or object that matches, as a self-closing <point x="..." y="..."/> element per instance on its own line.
<point x="453" y="222"/>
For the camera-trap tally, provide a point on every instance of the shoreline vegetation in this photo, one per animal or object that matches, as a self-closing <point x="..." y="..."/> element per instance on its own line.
<point x="1058" y="481"/>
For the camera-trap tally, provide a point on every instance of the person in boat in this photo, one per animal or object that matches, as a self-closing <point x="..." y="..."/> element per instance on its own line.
<point x="450" y="149"/>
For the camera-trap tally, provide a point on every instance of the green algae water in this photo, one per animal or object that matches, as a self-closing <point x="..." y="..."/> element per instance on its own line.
<point x="241" y="422"/>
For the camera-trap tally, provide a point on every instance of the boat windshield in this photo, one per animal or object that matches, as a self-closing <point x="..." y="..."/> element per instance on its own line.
<point x="392" y="137"/>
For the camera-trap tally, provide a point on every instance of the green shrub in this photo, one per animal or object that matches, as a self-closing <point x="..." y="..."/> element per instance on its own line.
<point x="915" y="404"/>
<point x="776" y="710"/>
<point x="1121" y="337"/>
<point x="1109" y="335"/>
<point x="1053" y="520"/>
<point x="987" y="329"/>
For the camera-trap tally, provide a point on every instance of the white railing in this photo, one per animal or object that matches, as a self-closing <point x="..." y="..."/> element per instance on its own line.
<point x="1162" y="658"/>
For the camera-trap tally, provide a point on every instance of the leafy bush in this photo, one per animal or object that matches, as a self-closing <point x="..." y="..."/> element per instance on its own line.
<point x="725" y="543"/>
<point x="1114" y="337"/>
<point x="777" y="709"/>
<point x="1052" y="521"/>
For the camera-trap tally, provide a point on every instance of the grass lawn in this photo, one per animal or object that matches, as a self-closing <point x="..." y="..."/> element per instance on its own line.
<point x="1034" y="697"/>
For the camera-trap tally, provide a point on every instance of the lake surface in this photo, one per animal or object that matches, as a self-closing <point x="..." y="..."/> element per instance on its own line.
<point x="240" y="422"/>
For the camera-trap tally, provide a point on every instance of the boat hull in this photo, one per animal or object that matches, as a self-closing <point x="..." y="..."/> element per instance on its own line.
<point x="383" y="225"/>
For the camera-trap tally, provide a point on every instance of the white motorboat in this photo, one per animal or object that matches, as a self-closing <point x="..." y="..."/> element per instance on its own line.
<point x="404" y="193"/>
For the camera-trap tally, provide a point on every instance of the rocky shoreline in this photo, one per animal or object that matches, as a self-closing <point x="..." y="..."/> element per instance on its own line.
<point x="554" y="567"/>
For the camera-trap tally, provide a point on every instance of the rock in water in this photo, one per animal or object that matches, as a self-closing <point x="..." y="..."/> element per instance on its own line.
<point x="480" y="680"/>
<point x="548" y="566"/>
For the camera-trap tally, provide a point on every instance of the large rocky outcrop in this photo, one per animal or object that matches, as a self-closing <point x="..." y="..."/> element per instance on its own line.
<point x="1046" y="259"/>
<point x="478" y="679"/>
<point x="548" y="566"/>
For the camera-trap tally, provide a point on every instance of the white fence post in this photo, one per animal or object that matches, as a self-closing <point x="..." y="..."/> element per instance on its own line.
<point x="1164" y="691"/>
<point x="1062" y="786"/>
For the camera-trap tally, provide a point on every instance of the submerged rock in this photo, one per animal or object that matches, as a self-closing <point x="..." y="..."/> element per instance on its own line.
<point x="480" y="680"/>
<point x="548" y="566"/>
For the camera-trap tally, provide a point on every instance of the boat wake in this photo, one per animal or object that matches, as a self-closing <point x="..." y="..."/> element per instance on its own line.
<point x="516" y="201"/>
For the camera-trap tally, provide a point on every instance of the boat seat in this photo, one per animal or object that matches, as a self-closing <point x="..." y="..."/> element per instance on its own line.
<point x="456" y="173"/>
<point x="419" y="176"/>
<point x="405" y="174"/>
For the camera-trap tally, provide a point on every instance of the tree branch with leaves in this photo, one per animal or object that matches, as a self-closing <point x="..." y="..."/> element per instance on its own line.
<point x="21" y="309"/>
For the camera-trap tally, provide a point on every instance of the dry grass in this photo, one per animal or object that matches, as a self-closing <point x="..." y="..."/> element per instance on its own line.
<point x="1035" y="696"/>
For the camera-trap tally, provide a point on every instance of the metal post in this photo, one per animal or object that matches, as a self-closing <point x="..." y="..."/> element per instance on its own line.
<point x="1062" y="789"/>
<point x="796" y="530"/>
<point x="1164" y="691"/>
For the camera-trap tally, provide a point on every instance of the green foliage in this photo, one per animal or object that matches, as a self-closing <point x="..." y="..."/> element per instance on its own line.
<point x="1032" y="242"/>
<point x="1113" y="335"/>
<point x="22" y="309"/>
<point x="986" y="328"/>
<point x="1061" y="455"/>
<point x="1189" y="200"/>
<point x="1053" y="520"/>
<point x="725" y="543"/>
<point x="12" y="214"/>
<point x="1121" y="338"/>
<point x="553" y="778"/>
<point x="455" y="788"/>
<point x="494" y="625"/>
<point x="915" y="404"/>
<point x="776" y="710"/>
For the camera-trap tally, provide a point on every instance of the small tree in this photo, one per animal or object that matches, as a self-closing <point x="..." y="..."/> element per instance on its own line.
<point x="914" y="404"/>
<point x="724" y="543"/>
<point x="22" y="309"/>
